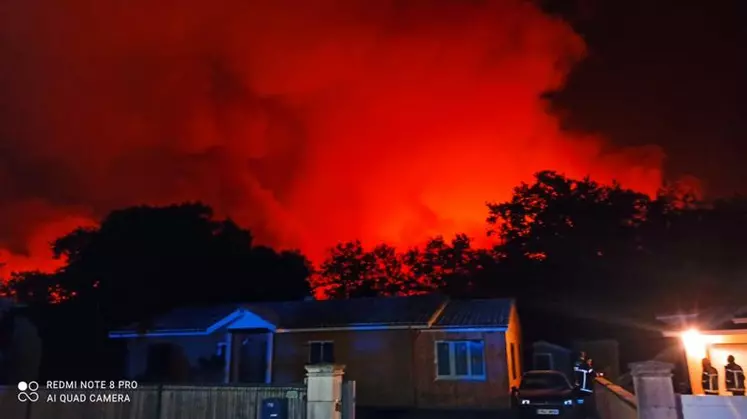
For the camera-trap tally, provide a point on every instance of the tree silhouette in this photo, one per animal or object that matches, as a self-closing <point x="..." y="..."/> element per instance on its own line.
<point x="142" y="261"/>
<point x="578" y="231"/>
<point x="347" y="272"/>
<point x="453" y="267"/>
<point x="568" y="239"/>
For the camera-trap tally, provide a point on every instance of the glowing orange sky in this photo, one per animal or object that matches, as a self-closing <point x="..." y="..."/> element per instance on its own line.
<point x="309" y="122"/>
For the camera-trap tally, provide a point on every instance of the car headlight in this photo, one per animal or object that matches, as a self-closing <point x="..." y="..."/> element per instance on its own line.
<point x="568" y="402"/>
<point x="524" y="401"/>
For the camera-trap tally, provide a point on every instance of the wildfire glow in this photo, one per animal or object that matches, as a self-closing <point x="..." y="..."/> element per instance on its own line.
<point x="308" y="122"/>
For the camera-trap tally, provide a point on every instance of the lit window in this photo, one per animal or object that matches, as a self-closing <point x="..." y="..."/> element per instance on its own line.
<point x="460" y="359"/>
<point x="321" y="352"/>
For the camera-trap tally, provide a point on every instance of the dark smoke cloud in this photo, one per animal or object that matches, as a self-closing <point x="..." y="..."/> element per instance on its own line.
<point x="310" y="122"/>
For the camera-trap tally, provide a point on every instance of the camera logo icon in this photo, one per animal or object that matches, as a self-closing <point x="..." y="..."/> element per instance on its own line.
<point x="27" y="392"/>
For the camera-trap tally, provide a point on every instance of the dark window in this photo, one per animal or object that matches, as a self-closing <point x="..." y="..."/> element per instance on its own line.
<point x="444" y="359"/>
<point x="513" y="361"/>
<point x="321" y="352"/>
<point x="460" y="359"/>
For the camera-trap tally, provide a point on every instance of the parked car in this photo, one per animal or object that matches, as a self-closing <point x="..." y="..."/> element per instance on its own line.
<point x="547" y="394"/>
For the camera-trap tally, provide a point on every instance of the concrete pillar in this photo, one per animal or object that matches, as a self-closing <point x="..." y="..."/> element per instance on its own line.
<point x="270" y="355"/>
<point x="229" y="359"/>
<point x="324" y="391"/>
<point x="654" y="390"/>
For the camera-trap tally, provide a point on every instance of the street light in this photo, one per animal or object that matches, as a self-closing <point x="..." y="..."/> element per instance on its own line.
<point x="695" y="344"/>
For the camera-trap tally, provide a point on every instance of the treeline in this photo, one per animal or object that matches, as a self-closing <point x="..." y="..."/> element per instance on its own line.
<point x="556" y="238"/>
<point x="572" y="240"/>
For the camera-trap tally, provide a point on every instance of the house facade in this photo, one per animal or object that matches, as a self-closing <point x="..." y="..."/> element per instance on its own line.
<point x="713" y="333"/>
<point x="549" y="356"/>
<point x="403" y="352"/>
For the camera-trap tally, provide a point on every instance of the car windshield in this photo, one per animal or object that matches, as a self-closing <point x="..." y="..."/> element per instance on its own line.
<point x="544" y="381"/>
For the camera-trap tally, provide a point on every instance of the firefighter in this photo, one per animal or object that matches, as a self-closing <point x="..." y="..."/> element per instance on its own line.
<point x="591" y="374"/>
<point x="709" y="378"/>
<point x="734" y="377"/>
<point x="579" y="368"/>
<point x="585" y="376"/>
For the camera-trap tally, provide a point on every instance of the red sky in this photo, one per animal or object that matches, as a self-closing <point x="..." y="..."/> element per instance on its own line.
<point x="309" y="123"/>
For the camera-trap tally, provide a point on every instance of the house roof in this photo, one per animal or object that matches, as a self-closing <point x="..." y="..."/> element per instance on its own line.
<point x="476" y="313"/>
<point x="190" y="318"/>
<point x="395" y="311"/>
<point x="425" y="311"/>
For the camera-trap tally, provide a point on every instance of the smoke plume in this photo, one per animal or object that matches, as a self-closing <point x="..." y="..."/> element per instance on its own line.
<point x="309" y="122"/>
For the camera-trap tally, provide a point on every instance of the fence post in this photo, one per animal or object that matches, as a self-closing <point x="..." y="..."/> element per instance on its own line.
<point x="348" y="400"/>
<point x="324" y="391"/>
<point x="654" y="391"/>
<point x="159" y="401"/>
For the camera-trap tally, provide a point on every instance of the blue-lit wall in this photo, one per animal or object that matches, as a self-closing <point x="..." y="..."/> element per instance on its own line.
<point x="380" y="361"/>
<point x="192" y="347"/>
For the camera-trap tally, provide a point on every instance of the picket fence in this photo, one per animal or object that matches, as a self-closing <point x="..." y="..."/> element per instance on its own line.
<point x="156" y="402"/>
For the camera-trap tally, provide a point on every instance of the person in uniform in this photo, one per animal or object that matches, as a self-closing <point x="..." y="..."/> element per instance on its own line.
<point x="591" y="374"/>
<point x="579" y="368"/>
<point x="709" y="378"/>
<point x="585" y="376"/>
<point x="734" y="377"/>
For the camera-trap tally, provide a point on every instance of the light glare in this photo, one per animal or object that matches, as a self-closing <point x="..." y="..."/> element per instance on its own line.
<point x="695" y="343"/>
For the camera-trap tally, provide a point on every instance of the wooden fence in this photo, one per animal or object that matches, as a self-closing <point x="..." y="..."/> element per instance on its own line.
<point x="153" y="402"/>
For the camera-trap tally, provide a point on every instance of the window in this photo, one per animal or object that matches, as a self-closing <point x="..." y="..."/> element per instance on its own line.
<point x="321" y="352"/>
<point x="460" y="359"/>
<point x="513" y="361"/>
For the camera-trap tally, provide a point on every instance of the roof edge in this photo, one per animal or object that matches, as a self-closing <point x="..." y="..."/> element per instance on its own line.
<point x="132" y="333"/>
<point x="466" y="329"/>
<point x="238" y="313"/>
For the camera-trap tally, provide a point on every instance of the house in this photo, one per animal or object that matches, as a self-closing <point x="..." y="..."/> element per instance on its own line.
<point x="713" y="333"/>
<point x="549" y="356"/>
<point x="403" y="352"/>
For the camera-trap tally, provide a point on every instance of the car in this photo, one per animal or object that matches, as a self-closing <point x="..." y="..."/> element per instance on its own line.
<point x="547" y="394"/>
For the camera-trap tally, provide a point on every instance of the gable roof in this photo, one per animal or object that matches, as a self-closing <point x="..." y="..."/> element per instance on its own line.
<point x="421" y="312"/>
<point x="192" y="319"/>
